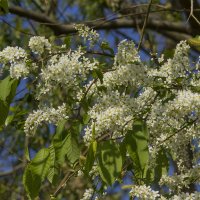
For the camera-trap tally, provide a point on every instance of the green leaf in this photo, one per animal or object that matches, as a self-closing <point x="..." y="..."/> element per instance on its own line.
<point x="105" y="46"/>
<point x="162" y="165"/>
<point x="53" y="171"/>
<point x="41" y="163"/>
<point x="67" y="41"/>
<point x="36" y="172"/>
<point x="137" y="147"/>
<point x="32" y="183"/>
<point x="7" y="89"/>
<point x="90" y="157"/>
<point x="7" y="92"/>
<point x="98" y="74"/>
<point x="195" y="42"/>
<point x="3" y="6"/>
<point x="69" y="147"/>
<point x="4" y="109"/>
<point x="27" y="156"/>
<point x="109" y="161"/>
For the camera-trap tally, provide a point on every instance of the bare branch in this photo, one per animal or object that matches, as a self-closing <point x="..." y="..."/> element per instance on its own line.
<point x="144" y="25"/>
<point x="60" y="29"/>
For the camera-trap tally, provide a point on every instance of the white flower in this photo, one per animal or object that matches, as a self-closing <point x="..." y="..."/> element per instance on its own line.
<point x="38" y="44"/>
<point x="18" y="70"/>
<point x="88" y="194"/>
<point x="87" y="33"/>
<point x="13" y="54"/>
<point x="144" y="192"/>
<point x="49" y="115"/>
<point x="68" y="70"/>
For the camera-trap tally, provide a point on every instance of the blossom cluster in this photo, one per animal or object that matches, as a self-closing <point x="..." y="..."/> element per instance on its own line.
<point x="47" y="114"/>
<point x="68" y="70"/>
<point x="87" y="33"/>
<point x="144" y="192"/>
<point x="39" y="44"/>
<point x="165" y="97"/>
<point x="88" y="194"/>
<point x="16" y="57"/>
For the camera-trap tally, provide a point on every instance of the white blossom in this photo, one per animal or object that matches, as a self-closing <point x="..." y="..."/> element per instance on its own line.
<point x="144" y="192"/>
<point x="87" y="33"/>
<point x="39" y="44"/>
<point x="68" y="70"/>
<point x="13" y="54"/>
<point x="47" y="114"/>
<point x="88" y="194"/>
<point x="18" y="70"/>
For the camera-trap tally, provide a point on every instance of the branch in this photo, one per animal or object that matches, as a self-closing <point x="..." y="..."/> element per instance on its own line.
<point x="15" y="169"/>
<point x="144" y="25"/>
<point x="59" y="28"/>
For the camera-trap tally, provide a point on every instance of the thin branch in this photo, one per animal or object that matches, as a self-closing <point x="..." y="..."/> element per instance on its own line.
<point x="106" y="25"/>
<point x="145" y="24"/>
<point x="11" y="172"/>
<point x="192" y="12"/>
<point x="17" y="30"/>
<point x="63" y="182"/>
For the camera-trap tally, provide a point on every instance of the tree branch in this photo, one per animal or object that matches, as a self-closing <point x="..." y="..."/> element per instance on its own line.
<point x="60" y="29"/>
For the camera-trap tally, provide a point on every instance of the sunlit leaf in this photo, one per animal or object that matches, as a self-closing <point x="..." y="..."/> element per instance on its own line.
<point x="109" y="161"/>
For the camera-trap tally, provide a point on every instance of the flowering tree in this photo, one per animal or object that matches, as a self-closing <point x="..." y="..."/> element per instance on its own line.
<point x="107" y="116"/>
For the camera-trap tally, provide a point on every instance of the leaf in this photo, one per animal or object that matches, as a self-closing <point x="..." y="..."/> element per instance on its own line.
<point x="162" y="165"/>
<point x="90" y="157"/>
<point x="3" y="6"/>
<point x="32" y="183"/>
<point x="109" y="161"/>
<point x="4" y="109"/>
<point x="36" y="172"/>
<point x="195" y="42"/>
<point x="7" y="92"/>
<point x="8" y="88"/>
<point x="105" y="46"/>
<point x="27" y="156"/>
<point x="41" y="163"/>
<point x="137" y="147"/>
<point x="53" y="171"/>
<point x="69" y="147"/>
<point x="98" y="74"/>
<point x="67" y="42"/>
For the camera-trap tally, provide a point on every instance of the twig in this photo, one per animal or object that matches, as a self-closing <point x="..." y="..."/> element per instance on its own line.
<point x="192" y="13"/>
<point x="66" y="178"/>
<point x="15" y="169"/>
<point x="144" y="25"/>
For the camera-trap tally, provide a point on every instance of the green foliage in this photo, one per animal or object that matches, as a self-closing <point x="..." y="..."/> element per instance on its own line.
<point x="195" y="42"/>
<point x="137" y="147"/>
<point x="109" y="161"/>
<point x="7" y="92"/>
<point x="90" y="157"/>
<point x="36" y="172"/>
<point x="162" y="165"/>
<point x="65" y="146"/>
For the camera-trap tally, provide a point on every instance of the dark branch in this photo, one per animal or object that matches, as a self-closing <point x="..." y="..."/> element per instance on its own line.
<point x="59" y="28"/>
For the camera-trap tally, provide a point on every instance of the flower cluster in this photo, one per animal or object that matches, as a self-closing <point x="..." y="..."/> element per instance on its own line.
<point x="39" y="44"/>
<point x="87" y="33"/>
<point x="166" y="98"/>
<point x="17" y="58"/>
<point x="174" y="69"/>
<point x="186" y="196"/>
<point x="68" y="70"/>
<point x="47" y="114"/>
<point x="144" y="192"/>
<point x="88" y="194"/>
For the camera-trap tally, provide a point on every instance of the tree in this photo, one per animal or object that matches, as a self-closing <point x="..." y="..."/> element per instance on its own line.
<point x="82" y="113"/>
